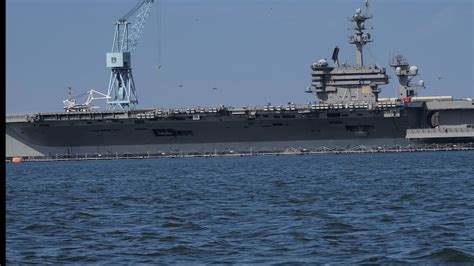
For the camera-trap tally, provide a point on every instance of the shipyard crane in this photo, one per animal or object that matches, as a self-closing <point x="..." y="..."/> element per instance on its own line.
<point x="122" y="94"/>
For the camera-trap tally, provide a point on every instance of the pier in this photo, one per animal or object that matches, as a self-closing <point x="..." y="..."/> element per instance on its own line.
<point x="230" y="153"/>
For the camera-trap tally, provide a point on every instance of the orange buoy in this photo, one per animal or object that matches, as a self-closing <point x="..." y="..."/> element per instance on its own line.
<point x="17" y="159"/>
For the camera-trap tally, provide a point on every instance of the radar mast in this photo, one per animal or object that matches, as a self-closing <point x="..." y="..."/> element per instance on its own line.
<point x="360" y="37"/>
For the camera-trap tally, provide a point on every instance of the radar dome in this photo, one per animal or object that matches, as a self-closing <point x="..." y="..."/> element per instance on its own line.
<point x="421" y="83"/>
<point x="398" y="70"/>
<point x="413" y="70"/>
<point x="323" y="62"/>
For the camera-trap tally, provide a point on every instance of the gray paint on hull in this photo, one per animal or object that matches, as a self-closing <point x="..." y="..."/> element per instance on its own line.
<point x="15" y="147"/>
<point x="219" y="133"/>
<point x="35" y="150"/>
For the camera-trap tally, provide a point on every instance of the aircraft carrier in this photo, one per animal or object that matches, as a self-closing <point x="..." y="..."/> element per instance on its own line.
<point x="348" y="113"/>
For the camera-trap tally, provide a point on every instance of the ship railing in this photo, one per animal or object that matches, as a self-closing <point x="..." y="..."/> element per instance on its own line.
<point x="302" y="108"/>
<point x="20" y="117"/>
<point x="440" y="130"/>
<point x="175" y="111"/>
<point x="448" y="132"/>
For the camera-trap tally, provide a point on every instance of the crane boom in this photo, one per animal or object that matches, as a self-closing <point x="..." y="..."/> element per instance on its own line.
<point x="134" y="9"/>
<point x="139" y="24"/>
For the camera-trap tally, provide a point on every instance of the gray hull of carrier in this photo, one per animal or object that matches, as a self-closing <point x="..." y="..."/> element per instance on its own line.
<point x="237" y="129"/>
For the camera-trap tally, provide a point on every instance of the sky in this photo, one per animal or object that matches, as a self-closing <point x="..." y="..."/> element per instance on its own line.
<point x="253" y="52"/>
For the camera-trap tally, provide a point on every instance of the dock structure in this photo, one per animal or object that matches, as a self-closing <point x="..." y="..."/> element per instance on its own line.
<point x="230" y="153"/>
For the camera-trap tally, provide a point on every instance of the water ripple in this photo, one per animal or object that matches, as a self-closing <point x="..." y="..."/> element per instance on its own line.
<point x="396" y="209"/>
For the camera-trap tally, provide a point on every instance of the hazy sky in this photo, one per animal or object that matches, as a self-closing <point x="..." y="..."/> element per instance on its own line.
<point x="253" y="51"/>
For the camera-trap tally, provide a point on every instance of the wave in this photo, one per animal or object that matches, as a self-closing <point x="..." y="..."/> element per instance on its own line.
<point x="451" y="255"/>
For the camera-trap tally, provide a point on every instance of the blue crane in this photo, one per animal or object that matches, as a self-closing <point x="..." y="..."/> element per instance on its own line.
<point x="121" y="93"/>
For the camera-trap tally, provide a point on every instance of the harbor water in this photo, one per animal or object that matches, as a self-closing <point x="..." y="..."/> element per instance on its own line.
<point x="389" y="208"/>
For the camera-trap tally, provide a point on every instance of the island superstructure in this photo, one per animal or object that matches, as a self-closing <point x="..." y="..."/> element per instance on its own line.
<point x="348" y="112"/>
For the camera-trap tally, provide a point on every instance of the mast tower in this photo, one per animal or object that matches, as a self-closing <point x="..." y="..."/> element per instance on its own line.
<point x="349" y="84"/>
<point x="360" y="38"/>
